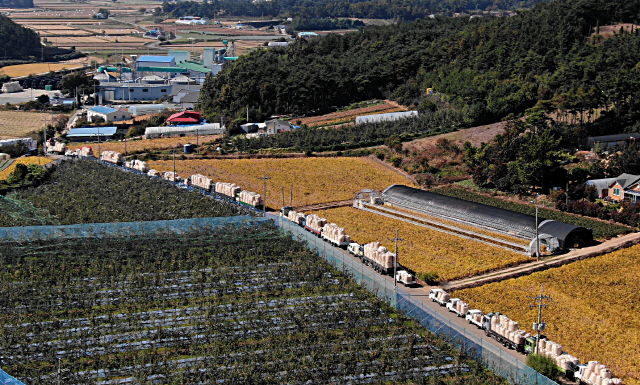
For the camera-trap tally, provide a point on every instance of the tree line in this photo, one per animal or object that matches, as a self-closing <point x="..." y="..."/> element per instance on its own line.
<point x="407" y="10"/>
<point x="490" y="68"/>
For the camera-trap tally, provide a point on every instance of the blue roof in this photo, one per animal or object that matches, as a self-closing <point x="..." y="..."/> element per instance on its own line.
<point x="102" y="109"/>
<point x="159" y="59"/>
<point x="91" y="131"/>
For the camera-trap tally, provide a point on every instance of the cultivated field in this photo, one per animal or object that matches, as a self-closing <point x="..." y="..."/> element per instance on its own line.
<point x="41" y="160"/>
<point x="243" y="305"/>
<point x="36" y="68"/>
<point x="16" y="124"/>
<point x="423" y="250"/>
<point x="146" y="144"/>
<point x="594" y="314"/>
<point x="349" y="116"/>
<point x="315" y="180"/>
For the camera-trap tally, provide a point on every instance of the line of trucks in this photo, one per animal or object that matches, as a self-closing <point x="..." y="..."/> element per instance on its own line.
<point x="507" y="332"/>
<point x="200" y="182"/>
<point x="371" y="254"/>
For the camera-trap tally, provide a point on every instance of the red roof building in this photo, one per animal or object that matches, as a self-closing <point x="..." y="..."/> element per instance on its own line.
<point x="185" y="117"/>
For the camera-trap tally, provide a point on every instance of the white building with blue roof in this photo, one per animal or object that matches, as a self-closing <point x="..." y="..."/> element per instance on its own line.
<point x="107" y="114"/>
<point x="91" y="134"/>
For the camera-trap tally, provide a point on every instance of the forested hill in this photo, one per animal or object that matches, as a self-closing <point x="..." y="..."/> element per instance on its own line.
<point x="373" y="9"/>
<point x="17" y="42"/>
<point x="488" y="68"/>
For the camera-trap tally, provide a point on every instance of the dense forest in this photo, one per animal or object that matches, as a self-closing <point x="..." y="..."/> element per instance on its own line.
<point x="372" y="9"/>
<point x="486" y="68"/>
<point x="17" y="42"/>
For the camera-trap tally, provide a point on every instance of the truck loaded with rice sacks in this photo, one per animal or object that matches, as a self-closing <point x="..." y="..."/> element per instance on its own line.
<point x="137" y="164"/>
<point x="506" y="331"/>
<point x="112" y="157"/>
<point x="57" y="148"/>
<point x="201" y="182"/>
<point x="372" y="254"/>
<point x="171" y="176"/>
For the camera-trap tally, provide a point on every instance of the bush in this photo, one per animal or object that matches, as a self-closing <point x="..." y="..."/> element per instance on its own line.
<point x="429" y="278"/>
<point x="544" y="365"/>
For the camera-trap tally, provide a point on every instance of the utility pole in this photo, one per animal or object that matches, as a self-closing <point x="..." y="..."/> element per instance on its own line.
<point x="537" y="236"/>
<point x="265" y="178"/>
<point x="282" y="196"/>
<point x="99" y="153"/>
<point x="539" y="326"/>
<point x="395" y="260"/>
<point x="291" y="196"/>
<point x="174" y="165"/>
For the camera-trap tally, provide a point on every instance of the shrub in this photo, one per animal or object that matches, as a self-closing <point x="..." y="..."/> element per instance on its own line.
<point x="544" y="365"/>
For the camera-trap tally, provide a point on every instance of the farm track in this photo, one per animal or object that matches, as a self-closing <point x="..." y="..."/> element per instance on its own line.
<point x="324" y="206"/>
<point x="606" y="247"/>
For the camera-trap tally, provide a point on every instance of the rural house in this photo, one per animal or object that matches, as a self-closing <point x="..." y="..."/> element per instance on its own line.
<point x="609" y="142"/>
<point x="108" y="114"/>
<point x="624" y="187"/>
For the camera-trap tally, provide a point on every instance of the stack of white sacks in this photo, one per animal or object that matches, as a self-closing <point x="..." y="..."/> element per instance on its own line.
<point x="153" y="172"/>
<point x="201" y="181"/>
<point x="228" y="189"/>
<point x="251" y="198"/>
<point x="171" y="176"/>
<point x="508" y="329"/>
<point x="140" y="165"/>
<point x="598" y="374"/>
<point x="295" y="217"/>
<point x="462" y="307"/>
<point x="336" y="233"/>
<point x="443" y="296"/>
<point x="379" y="254"/>
<point x="111" y="156"/>
<point x="315" y="223"/>
<point x="405" y="276"/>
<point x="85" y="152"/>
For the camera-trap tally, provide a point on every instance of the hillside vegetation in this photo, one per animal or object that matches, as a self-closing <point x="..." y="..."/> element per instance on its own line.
<point x="17" y="42"/>
<point x="486" y="68"/>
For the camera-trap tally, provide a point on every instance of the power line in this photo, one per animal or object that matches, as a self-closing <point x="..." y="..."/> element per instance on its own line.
<point x="265" y="178"/>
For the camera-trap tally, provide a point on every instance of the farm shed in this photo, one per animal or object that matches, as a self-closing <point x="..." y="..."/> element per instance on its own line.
<point x="144" y="109"/>
<point x="388" y="117"/>
<point x="107" y="114"/>
<point x="485" y="216"/>
<point x="29" y="142"/>
<point x="4" y="156"/>
<point x="609" y="142"/>
<point x="201" y="129"/>
<point x="89" y="134"/>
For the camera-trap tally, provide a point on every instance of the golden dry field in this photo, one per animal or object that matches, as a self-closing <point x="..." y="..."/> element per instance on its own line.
<point x="315" y="180"/>
<point x="595" y="313"/>
<point x="141" y="145"/>
<point x="26" y="160"/>
<point x="36" y="68"/>
<point x="15" y="124"/>
<point x="423" y="250"/>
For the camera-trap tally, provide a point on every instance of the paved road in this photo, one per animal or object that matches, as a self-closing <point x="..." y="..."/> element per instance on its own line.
<point x="421" y="293"/>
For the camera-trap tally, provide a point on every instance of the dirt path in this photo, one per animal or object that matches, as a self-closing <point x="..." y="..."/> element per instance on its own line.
<point x="609" y="246"/>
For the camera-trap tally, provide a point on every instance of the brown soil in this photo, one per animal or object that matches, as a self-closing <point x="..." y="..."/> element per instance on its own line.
<point x="475" y="135"/>
<point x="350" y="114"/>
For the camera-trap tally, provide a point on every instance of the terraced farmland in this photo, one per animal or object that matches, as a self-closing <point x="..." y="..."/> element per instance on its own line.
<point x="245" y="305"/>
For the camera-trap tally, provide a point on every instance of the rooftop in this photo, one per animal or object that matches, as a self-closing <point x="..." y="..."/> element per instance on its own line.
<point x="102" y="109"/>
<point x="159" y="59"/>
<point x="193" y="66"/>
<point x="91" y="131"/>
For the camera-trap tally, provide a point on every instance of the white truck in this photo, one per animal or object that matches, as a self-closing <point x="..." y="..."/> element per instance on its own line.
<point x="456" y="305"/>
<point x="356" y="249"/>
<point x="405" y="278"/>
<point x="440" y="296"/>
<point x="474" y="316"/>
<point x="335" y="235"/>
<point x="594" y="373"/>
